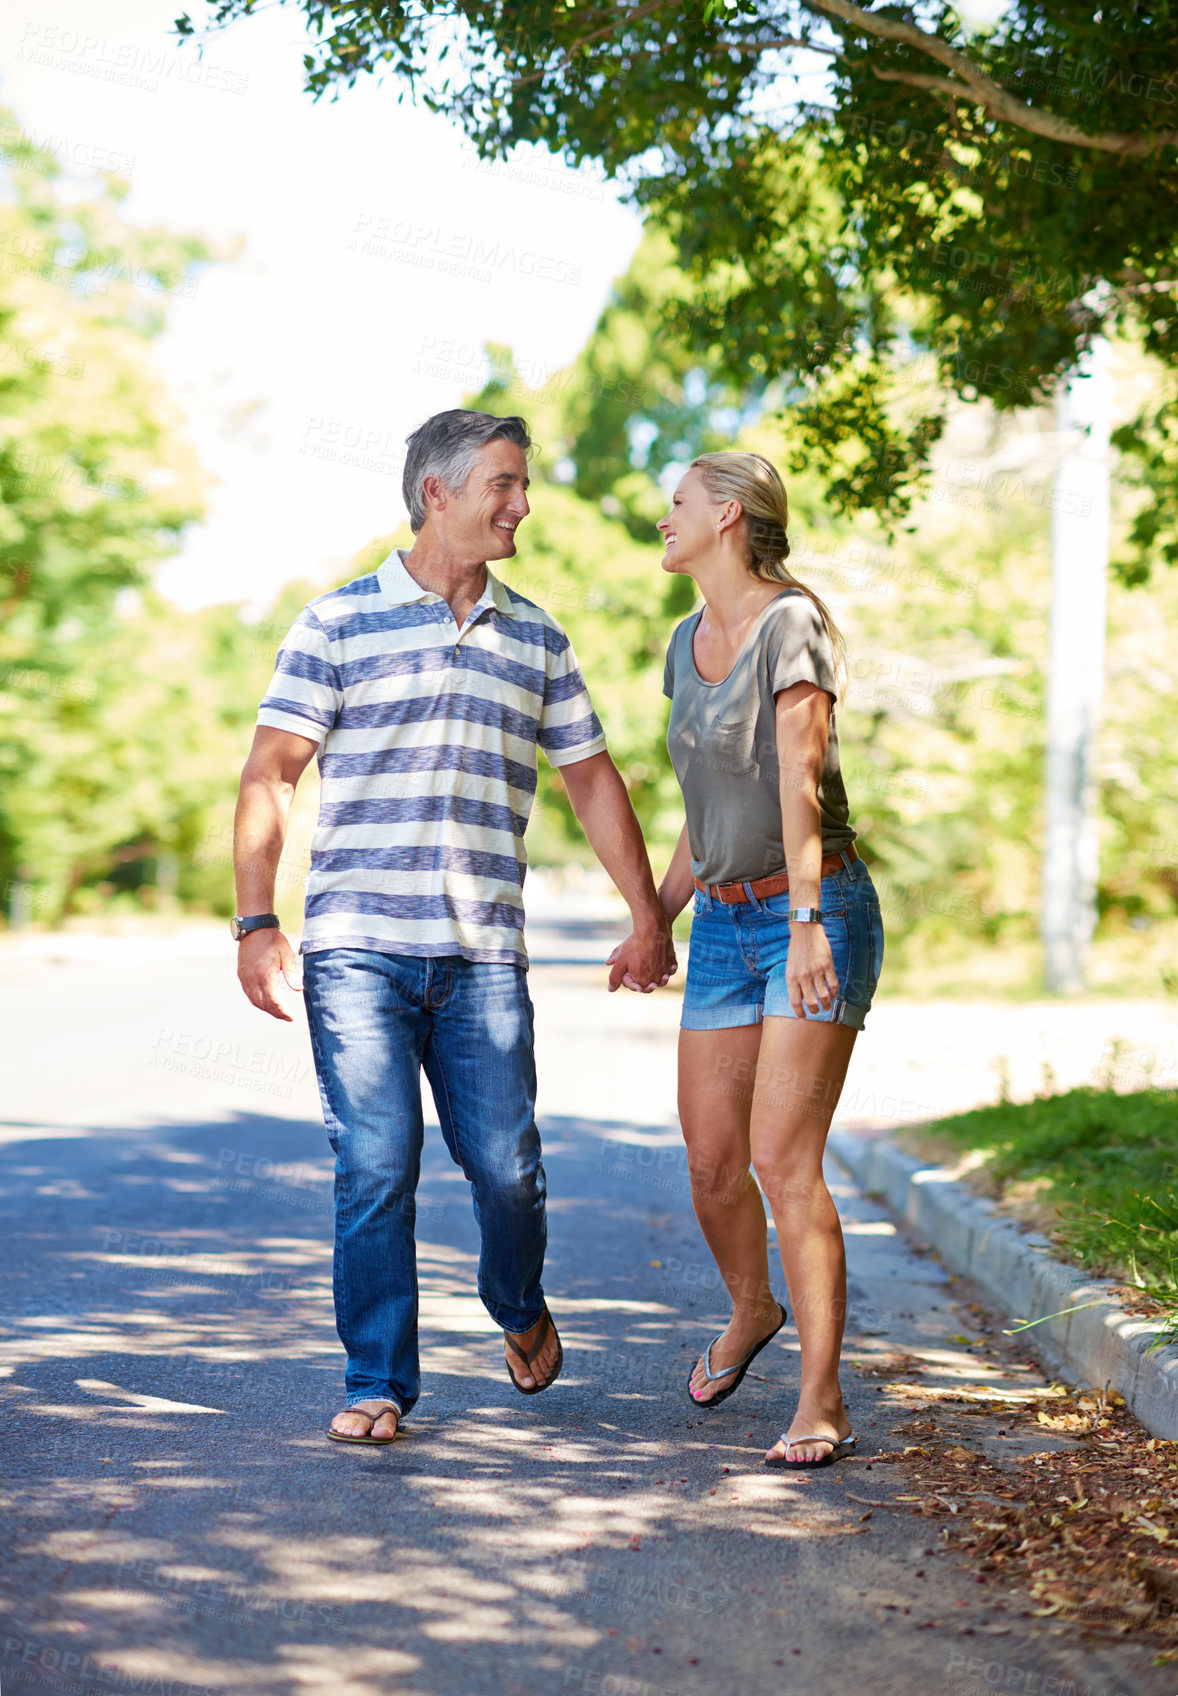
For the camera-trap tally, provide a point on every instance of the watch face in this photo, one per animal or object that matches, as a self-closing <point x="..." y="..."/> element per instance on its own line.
<point x="235" y="929"/>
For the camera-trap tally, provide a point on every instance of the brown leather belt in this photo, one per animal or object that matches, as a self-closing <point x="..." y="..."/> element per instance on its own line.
<point x="728" y="894"/>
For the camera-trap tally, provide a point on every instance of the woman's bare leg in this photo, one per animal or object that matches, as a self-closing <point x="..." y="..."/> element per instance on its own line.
<point x="800" y="1071"/>
<point x="716" y="1073"/>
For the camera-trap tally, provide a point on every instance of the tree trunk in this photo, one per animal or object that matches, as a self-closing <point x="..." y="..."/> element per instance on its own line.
<point x="1079" y="566"/>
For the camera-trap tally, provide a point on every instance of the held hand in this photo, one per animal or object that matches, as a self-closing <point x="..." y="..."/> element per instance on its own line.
<point x="810" y="976"/>
<point x="265" y="962"/>
<point x="626" y="980"/>
<point x="643" y="961"/>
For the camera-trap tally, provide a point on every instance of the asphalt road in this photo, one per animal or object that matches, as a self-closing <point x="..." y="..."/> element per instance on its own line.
<point x="175" y="1521"/>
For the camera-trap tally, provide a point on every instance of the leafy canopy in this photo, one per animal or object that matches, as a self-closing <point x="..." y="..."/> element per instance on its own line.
<point x="881" y="207"/>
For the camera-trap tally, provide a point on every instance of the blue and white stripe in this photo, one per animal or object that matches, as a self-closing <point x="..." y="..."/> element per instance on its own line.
<point x="427" y="742"/>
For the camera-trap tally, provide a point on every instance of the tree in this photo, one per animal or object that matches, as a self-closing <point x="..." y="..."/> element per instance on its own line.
<point x="96" y="484"/>
<point x="942" y="727"/>
<point x="977" y="205"/>
<point x="636" y="400"/>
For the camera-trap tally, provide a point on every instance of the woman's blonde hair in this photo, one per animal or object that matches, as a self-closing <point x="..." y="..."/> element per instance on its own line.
<point x="756" y="484"/>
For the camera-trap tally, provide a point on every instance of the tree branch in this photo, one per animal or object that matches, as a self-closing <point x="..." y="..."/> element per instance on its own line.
<point x="777" y="41"/>
<point x="566" y="57"/>
<point x="999" y="102"/>
<point x="619" y="23"/>
<point x="922" y="79"/>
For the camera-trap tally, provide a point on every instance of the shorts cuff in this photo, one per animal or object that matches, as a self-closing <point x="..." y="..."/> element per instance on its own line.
<point x="840" y="1014"/>
<point x="720" y="1018"/>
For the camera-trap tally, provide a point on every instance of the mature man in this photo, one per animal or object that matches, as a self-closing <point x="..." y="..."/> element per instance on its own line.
<point x="424" y="689"/>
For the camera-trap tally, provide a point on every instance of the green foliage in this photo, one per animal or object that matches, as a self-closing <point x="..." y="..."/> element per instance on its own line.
<point x="1149" y="444"/>
<point x="93" y="476"/>
<point x="942" y="728"/>
<point x="1105" y="1163"/>
<point x="142" y="771"/>
<point x="124" y="729"/>
<point x="993" y="226"/>
<point x="634" y="402"/>
<point x="96" y="484"/>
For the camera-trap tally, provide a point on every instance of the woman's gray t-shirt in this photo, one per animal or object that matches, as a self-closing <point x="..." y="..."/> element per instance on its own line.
<point x="723" y="742"/>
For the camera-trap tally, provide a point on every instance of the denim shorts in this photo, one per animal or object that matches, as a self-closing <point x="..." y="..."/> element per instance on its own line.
<point x="736" y="961"/>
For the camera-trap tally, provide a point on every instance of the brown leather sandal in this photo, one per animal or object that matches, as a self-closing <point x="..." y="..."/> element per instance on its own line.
<point x="377" y="1442"/>
<point x="528" y="1357"/>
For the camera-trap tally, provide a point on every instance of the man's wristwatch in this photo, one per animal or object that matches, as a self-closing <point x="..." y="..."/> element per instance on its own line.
<point x="240" y="927"/>
<point x="805" y="915"/>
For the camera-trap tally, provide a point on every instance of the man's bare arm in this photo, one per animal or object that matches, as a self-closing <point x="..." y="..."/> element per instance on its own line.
<point x="265" y="958"/>
<point x="602" y="805"/>
<point x="675" y="891"/>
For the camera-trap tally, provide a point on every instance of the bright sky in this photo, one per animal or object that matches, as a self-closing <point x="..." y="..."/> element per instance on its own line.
<point x="376" y="260"/>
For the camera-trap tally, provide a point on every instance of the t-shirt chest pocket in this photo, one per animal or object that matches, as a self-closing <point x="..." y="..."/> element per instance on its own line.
<point x="730" y="745"/>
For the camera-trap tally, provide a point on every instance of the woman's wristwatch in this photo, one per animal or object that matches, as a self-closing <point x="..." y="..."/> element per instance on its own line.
<point x="805" y="915"/>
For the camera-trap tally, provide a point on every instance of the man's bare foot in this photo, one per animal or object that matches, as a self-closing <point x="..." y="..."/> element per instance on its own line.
<point x="834" y="1419"/>
<point x="744" y="1332"/>
<point x="366" y="1419"/>
<point x="540" y="1369"/>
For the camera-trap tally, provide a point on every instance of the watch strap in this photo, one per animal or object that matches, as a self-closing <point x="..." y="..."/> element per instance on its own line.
<point x="256" y="921"/>
<point x="805" y="915"/>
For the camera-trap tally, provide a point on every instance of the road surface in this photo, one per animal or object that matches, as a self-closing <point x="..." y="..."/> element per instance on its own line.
<point x="175" y="1520"/>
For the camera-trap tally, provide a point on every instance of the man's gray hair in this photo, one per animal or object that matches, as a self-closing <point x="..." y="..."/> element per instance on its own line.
<point x="445" y="447"/>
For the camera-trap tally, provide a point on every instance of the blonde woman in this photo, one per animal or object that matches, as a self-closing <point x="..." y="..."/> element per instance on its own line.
<point x="786" y="937"/>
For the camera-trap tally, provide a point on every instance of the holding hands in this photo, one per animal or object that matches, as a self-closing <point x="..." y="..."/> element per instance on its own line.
<point x="645" y="960"/>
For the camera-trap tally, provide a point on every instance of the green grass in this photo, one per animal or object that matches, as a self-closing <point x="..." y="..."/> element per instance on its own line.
<point x="1105" y="1165"/>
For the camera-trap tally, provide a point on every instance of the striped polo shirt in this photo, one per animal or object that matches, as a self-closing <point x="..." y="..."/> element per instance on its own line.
<point x="427" y="740"/>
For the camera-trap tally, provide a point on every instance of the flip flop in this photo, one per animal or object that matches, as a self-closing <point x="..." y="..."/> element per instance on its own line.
<point x="530" y="1355"/>
<point x="740" y="1368"/>
<point x="844" y="1446"/>
<point x="377" y="1442"/>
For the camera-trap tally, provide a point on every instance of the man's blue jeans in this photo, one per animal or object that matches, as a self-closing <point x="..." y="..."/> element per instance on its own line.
<point x="376" y="1020"/>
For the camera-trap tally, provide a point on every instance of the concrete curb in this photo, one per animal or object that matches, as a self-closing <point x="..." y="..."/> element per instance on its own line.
<point x="1099" y="1344"/>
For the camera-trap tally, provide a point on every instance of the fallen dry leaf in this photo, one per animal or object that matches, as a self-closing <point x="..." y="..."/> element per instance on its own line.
<point x="1083" y="1530"/>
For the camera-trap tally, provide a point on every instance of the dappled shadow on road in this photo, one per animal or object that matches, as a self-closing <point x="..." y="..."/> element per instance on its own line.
<point x="490" y="1534"/>
<point x="169" y="1368"/>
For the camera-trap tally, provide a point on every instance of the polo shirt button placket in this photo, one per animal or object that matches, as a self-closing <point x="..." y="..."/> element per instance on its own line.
<point x="447" y="617"/>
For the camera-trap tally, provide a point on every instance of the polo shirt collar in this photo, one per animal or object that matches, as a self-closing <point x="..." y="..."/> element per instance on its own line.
<point x="400" y="588"/>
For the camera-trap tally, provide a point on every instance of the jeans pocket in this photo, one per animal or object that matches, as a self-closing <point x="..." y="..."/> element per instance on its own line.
<point x="875" y="920"/>
<point x="833" y="893"/>
<point x="839" y="933"/>
<point x="325" y="1078"/>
